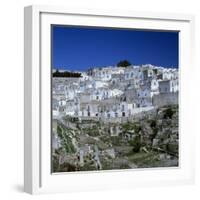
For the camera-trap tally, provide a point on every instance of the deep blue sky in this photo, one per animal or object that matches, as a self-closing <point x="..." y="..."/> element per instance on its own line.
<point x="78" y="48"/>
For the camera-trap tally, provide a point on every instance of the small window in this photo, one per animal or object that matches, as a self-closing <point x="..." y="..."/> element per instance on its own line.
<point x="132" y="74"/>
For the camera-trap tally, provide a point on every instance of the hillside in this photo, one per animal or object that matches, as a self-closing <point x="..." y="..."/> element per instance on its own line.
<point x="150" y="140"/>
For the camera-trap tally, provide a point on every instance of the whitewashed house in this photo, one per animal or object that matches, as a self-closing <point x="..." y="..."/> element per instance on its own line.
<point x="144" y="97"/>
<point x="55" y="107"/>
<point x="167" y="86"/>
<point x="70" y="107"/>
<point x="148" y="71"/>
<point x="84" y="77"/>
<point x="129" y="73"/>
<point x="100" y="94"/>
<point x="169" y="74"/>
<point x="85" y="97"/>
<point x="154" y="87"/>
<point x="126" y="109"/>
<point x="103" y="73"/>
<point x="117" y="78"/>
<point x="133" y="72"/>
<point x="89" y="109"/>
<point x="99" y="84"/>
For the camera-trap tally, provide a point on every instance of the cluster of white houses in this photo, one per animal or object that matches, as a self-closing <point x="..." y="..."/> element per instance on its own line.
<point x="113" y="92"/>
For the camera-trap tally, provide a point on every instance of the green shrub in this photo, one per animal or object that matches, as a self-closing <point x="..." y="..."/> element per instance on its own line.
<point x="152" y="123"/>
<point x="135" y="143"/>
<point x="168" y="113"/>
<point x="131" y="126"/>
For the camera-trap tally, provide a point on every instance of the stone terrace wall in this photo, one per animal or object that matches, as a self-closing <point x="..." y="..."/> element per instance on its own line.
<point x="165" y="99"/>
<point x="149" y="111"/>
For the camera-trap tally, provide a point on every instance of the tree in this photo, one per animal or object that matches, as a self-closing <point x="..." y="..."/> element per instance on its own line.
<point x="168" y="113"/>
<point x="123" y="63"/>
<point x="66" y="74"/>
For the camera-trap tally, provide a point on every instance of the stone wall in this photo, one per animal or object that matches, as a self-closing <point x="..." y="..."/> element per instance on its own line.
<point x="165" y="99"/>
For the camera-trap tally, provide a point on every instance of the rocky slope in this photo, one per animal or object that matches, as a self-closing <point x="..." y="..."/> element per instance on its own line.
<point x="149" y="140"/>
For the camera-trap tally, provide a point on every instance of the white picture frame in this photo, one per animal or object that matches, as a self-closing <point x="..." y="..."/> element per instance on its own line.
<point x="37" y="66"/>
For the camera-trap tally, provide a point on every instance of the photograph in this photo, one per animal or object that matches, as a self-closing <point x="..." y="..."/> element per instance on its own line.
<point x="114" y="98"/>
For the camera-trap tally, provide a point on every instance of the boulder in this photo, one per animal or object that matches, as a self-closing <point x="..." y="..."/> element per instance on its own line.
<point x="155" y="142"/>
<point x="172" y="147"/>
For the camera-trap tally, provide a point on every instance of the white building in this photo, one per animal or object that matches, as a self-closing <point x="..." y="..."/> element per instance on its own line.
<point x="167" y="86"/>
<point x="112" y="92"/>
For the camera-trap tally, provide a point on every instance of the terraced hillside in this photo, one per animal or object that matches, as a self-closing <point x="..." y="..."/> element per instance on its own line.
<point x="148" y="140"/>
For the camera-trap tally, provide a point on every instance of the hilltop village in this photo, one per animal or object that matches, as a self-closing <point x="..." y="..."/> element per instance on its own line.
<point x="114" y="92"/>
<point x="108" y="115"/>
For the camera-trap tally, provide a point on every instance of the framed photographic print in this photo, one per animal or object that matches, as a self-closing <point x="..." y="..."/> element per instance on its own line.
<point x="107" y="99"/>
